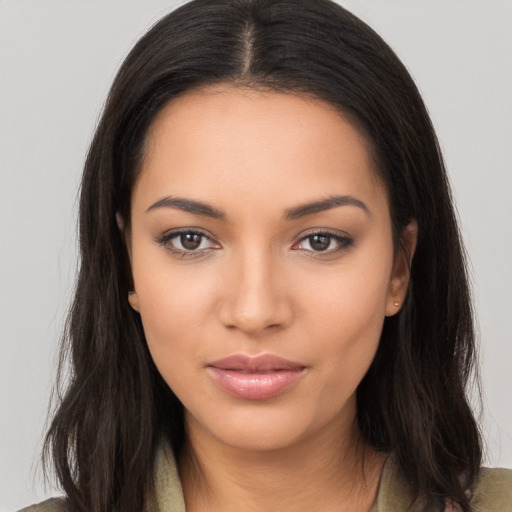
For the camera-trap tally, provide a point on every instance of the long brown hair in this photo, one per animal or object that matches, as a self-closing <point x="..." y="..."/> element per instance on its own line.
<point x="412" y="401"/>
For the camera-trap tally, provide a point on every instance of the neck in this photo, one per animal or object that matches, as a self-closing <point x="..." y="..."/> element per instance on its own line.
<point x="316" y="474"/>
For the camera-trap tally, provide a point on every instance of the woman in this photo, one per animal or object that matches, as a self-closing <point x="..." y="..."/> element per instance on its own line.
<point x="272" y="311"/>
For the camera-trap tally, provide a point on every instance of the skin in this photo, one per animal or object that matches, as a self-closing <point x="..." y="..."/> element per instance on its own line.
<point x="257" y="284"/>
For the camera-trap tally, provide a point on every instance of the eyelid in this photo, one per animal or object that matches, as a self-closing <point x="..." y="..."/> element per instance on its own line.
<point x="342" y="238"/>
<point x="164" y="241"/>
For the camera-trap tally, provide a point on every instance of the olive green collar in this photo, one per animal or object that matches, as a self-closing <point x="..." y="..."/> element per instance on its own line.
<point x="394" y="494"/>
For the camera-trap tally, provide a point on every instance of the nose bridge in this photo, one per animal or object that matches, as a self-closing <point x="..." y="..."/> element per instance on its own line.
<point x="255" y="297"/>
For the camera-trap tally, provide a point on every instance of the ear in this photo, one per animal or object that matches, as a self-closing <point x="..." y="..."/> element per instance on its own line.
<point x="125" y="233"/>
<point x="120" y="222"/>
<point x="133" y="299"/>
<point x="401" y="274"/>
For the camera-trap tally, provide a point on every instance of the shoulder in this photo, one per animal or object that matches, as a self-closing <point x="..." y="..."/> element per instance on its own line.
<point x="493" y="491"/>
<point x="51" y="505"/>
<point x="168" y="491"/>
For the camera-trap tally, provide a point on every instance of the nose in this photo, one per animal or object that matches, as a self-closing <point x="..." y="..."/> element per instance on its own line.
<point x="255" y="298"/>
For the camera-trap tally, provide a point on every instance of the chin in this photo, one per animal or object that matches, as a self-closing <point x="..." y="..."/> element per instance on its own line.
<point x="262" y="427"/>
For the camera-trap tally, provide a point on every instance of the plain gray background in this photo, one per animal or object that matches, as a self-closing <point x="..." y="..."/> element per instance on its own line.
<point x="57" y="60"/>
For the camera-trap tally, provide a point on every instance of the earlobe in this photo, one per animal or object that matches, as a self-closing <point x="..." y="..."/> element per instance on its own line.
<point x="133" y="299"/>
<point x="400" y="277"/>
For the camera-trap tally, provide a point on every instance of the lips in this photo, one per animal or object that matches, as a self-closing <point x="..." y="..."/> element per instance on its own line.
<point x="255" y="378"/>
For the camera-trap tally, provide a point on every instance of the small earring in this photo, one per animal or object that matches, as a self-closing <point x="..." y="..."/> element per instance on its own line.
<point x="397" y="304"/>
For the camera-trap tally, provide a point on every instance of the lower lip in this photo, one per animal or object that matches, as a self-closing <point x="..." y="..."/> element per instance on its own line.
<point x="255" y="386"/>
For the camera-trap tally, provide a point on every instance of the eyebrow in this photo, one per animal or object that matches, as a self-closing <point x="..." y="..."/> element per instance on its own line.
<point x="325" y="204"/>
<point x="188" y="205"/>
<point x="297" y="212"/>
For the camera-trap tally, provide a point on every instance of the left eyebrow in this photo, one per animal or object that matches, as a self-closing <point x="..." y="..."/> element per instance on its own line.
<point x="188" y="205"/>
<point x="326" y="204"/>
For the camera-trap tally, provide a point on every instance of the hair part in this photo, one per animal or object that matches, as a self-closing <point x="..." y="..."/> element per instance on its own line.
<point x="412" y="401"/>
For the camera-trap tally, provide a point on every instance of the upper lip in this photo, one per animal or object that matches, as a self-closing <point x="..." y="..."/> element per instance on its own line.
<point x="255" y="364"/>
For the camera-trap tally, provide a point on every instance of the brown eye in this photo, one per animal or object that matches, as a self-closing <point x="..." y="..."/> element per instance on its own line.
<point x="320" y="242"/>
<point x="187" y="243"/>
<point x="324" y="242"/>
<point x="191" y="241"/>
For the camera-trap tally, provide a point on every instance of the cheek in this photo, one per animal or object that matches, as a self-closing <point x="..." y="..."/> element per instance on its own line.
<point x="349" y="334"/>
<point x="176" y="304"/>
<point x="345" y="314"/>
<point x="170" y="292"/>
<point x="351" y="297"/>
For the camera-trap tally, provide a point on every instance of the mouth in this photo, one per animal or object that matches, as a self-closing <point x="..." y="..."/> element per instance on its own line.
<point x="255" y="378"/>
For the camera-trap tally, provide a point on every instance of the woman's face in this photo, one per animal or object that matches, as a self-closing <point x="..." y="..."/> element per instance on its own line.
<point x="263" y="264"/>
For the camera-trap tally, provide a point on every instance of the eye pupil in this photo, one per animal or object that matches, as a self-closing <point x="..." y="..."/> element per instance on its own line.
<point x="190" y="241"/>
<point x="320" y="242"/>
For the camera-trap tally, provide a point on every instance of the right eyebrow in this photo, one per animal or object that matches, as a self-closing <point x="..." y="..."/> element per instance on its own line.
<point x="188" y="205"/>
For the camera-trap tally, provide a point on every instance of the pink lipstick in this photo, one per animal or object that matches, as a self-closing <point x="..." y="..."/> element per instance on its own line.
<point x="255" y="378"/>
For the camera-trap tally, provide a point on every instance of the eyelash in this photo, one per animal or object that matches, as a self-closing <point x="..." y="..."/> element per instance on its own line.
<point x="342" y="241"/>
<point x="165" y="240"/>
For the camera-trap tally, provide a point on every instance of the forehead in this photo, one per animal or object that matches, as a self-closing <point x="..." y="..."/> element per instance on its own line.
<point x="238" y="139"/>
<point x="222" y="109"/>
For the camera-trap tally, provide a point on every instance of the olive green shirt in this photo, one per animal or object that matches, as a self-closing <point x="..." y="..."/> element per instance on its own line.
<point x="493" y="492"/>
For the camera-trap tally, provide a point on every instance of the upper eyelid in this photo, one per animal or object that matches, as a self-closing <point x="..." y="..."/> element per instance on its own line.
<point x="324" y="231"/>
<point x="172" y="233"/>
<point x="336" y="234"/>
<point x="343" y="240"/>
